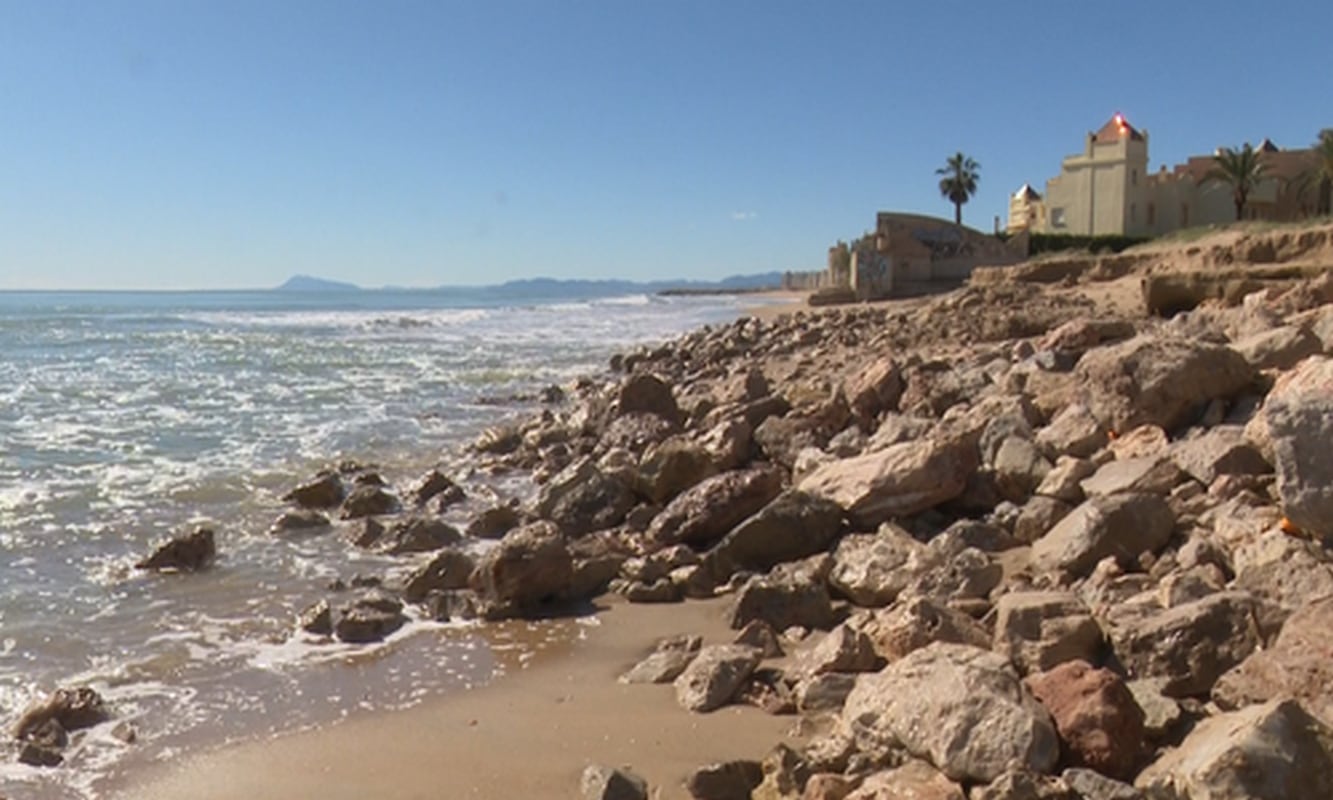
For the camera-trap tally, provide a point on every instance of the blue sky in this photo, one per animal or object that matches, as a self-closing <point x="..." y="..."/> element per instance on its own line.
<point x="181" y="144"/>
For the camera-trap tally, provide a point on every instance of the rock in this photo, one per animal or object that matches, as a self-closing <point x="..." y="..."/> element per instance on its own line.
<point x="671" y="467"/>
<point x="714" y="676"/>
<point x="610" y="783"/>
<point x="666" y="662"/>
<point x="961" y="708"/>
<point x="530" y="566"/>
<point x="1280" y="348"/>
<point x="317" y="619"/>
<point x="367" y="501"/>
<point x="449" y="569"/>
<point x="785" y="772"/>
<point x="494" y="522"/>
<point x="761" y="636"/>
<point x="743" y="387"/>
<point x="968" y="574"/>
<point x="583" y="498"/>
<point x="1156" y="474"/>
<point x="1274" y="751"/>
<point x="499" y="440"/>
<point x="1161" y="714"/>
<point x="915" y="622"/>
<point x="189" y="553"/>
<point x="417" y="535"/>
<point x="874" y="389"/>
<point x="843" y="649"/>
<point x="708" y="511"/>
<point x="35" y="754"/>
<point x="368" y="619"/>
<point x="915" y="780"/>
<point x="1074" y="431"/>
<point x="303" y="520"/>
<point x="73" y="709"/>
<point x="1099" y="723"/>
<point x="430" y="485"/>
<point x="1159" y="381"/>
<point x="1062" y="482"/>
<point x="730" y="780"/>
<point x="791" y="527"/>
<point x="1283" y="569"/>
<point x="1299" y="664"/>
<point x="729" y="442"/>
<point x="1023" y="785"/>
<point x="782" y="602"/>
<point x="873" y="569"/>
<point x="1298" y="414"/>
<point x="825" y="691"/>
<point x="768" y="690"/>
<point x="1038" y="515"/>
<point x="642" y="393"/>
<point x="1019" y="467"/>
<point x="1123" y="526"/>
<point x="827" y="786"/>
<point x="1190" y="645"/>
<point x="326" y="491"/>
<point x="1040" y="630"/>
<point x="782" y="440"/>
<point x="662" y="590"/>
<point x="1091" y="785"/>
<point x="1222" y="450"/>
<point x="900" y="480"/>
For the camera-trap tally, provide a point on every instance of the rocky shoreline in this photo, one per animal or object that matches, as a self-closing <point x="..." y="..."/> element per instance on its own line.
<point x="1006" y="542"/>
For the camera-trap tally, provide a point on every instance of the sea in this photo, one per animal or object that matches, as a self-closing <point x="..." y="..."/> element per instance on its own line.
<point x="126" y="418"/>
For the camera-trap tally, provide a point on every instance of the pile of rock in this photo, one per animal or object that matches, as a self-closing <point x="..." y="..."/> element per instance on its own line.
<point x="1087" y="560"/>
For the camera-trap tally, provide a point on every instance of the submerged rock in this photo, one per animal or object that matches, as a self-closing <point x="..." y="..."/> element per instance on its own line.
<point x="189" y="553"/>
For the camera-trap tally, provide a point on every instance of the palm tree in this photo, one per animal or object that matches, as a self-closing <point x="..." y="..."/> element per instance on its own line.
<point x="1241" y="169"/>
<point x="1323" y="169"/>
<point x="959" y="182"/>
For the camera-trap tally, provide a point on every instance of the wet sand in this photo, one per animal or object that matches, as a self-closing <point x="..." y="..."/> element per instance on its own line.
<point x="529" y="734"/>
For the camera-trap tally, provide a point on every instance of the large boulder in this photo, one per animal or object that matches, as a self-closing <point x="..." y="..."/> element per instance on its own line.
<point x="1158" y="380"/>
<point x="915" y="780"/>
<point x="1039" y="630"/>
<point x="1299" y="664"/>
<point x="912" y="623"/>
<point x="872" y="569"/>
<point x="782" y="601"/>
<point x="900" y="480"/>
<point x="368" y="619"/>
<point x="1191" y="645"/>
<point x="671" y="467"/>
<point x="874" y="389"/>
<point x="794" y="525"/>
<point x="1099" y="722"/>
<point x="1122" y="526"/>
<point x="73" y="709"/>
<point x="531" y="565"/>
<point x="189" y="553"/>
<point x="326" y="491"/>
<point x="1279" y="348"/>
<point x="648" y="394"/>
<point x="714" y="676"/>
<point x="1222" y="450"/>
<point x="961" y="708"/>
<point x="417" y="534"/>
<point x="707" y="511"/>
<point x="450" y="569"/>
<point x="368" y="500"/>
<point x="1274" y="751"/>
<point x="582" y="498"/>
<point x="1298" y="415"/>
<point x="611" y="783"/>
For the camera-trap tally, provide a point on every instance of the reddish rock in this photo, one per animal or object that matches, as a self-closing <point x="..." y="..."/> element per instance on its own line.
<point x="1099" y="723"/>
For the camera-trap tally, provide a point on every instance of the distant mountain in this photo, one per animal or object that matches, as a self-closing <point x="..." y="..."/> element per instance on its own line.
<point x="560" y="287"/>
<point x="305" y="283"/>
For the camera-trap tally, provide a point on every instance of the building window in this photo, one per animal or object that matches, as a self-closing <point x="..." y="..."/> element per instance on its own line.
<point x="1184" y="215"/>
<point x="1152" y="214"/>
<point x="1134" y="177"/>
<point x="1133" y="212"/>
<point x="1057" y="217"/>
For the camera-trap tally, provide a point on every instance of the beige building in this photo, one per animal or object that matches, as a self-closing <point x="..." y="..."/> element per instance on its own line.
<point x="1108" y="190"/>
<point x="908" y="253"/>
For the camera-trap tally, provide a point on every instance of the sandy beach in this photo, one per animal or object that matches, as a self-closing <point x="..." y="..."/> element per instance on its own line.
<point x="529" y="734"/>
